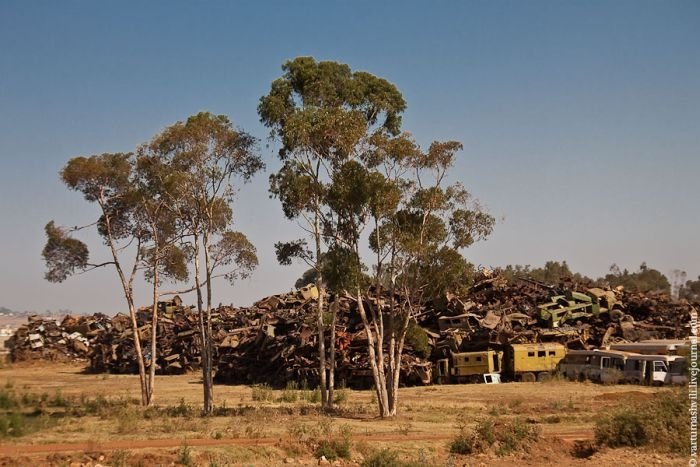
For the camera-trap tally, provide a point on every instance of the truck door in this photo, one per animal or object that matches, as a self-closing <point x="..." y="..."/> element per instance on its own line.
<point x="660" y="372"/>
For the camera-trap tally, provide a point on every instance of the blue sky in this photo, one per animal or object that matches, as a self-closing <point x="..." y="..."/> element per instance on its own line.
<point x="580" y="120"/>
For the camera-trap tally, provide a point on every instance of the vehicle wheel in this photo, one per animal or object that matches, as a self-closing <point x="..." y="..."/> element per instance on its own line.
<point x="544" y="377"/>
<point x="528" y="378"/>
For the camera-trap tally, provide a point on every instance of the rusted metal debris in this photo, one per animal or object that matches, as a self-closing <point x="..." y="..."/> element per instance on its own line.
<point x="275" y="340"/>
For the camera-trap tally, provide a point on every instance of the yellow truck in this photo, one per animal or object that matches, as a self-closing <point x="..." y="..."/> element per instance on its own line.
<point x="533" y="362"/>
<point x="470" y="367"/>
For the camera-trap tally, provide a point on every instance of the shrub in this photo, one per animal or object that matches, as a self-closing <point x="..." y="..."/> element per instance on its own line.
<point x="340" y="396"/>
<point x="8" y="399"/>
<point x="383" y="458"/>
<point x="516" y="436"/>
<point x="417" y="338"/>
<point x="182" y="409"/>
<point x="661" y="422"/>
<point x="184" y="455"/>
<point x="15" y="424"/>
<point x="506" y="437"/>
<point x="333" y="447"/>
<point x="388" y="458"/>
<point x="623" y="428"/>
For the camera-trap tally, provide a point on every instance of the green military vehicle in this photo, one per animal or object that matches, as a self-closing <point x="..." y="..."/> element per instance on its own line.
<point x="572" y="306"/>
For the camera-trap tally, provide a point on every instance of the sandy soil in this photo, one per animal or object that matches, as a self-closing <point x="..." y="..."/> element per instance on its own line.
<point x="261" y="433"/>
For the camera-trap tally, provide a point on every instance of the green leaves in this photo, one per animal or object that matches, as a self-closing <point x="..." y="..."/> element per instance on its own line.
<point x="98" y="176"/>
<point x="325" y="108"/>
<point x="342" y="269"/>
<point x="63" y="254"/>
<point x="234" y="248"/>
<point x="296" y="188"/>
<point x="295" y="249"/>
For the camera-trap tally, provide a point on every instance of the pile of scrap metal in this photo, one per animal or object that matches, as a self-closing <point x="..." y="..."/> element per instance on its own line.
<point x="275" y="341"/>
<point x="498" y="312"/>
<point x="53" y="340"/>
<point x="177" y="341"/>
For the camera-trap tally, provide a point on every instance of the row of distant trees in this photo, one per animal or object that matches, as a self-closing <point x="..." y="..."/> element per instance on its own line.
<point x="379" y="216"/>
<point x="645" y="279"/>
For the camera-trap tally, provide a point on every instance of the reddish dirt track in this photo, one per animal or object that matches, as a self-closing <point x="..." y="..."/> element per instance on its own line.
<point x="29" y="449"/>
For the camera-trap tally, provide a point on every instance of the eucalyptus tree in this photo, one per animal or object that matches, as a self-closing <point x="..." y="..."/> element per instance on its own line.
<point x="130" y="227"/>
<point x="321" y="113"/>
<point x="422" y="240"/>
<point x="201" y="159"/>
<point x="163" y="256"/>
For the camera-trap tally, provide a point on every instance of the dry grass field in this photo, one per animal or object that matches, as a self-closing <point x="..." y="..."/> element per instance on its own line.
<point x="73" y="418"/>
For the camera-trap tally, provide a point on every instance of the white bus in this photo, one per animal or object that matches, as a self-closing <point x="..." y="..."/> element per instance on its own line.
<point x="615" y="366"/>
<point x="603" y="366"/>
<point x="655" y="369"/>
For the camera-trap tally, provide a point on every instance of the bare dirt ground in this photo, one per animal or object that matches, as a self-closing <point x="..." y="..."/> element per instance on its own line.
<point x="272" y="431"/>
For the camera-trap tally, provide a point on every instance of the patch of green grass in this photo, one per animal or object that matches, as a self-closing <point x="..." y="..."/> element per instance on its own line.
<point x="290" y="393"/>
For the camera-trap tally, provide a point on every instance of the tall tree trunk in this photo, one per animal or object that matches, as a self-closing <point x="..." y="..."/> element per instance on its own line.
<point x="139" y="350"/>
<point x="331" y="372"/>
<point x="202" y="326"/>
<point x="396" y="370"/>
<point x="154" y="332"/>
<point x="129" y="296"/>
<point x="321" y="345"/>
<point x="319" y="317"/>
<point x="209" y="376"/>
<point x="374" y="360"/>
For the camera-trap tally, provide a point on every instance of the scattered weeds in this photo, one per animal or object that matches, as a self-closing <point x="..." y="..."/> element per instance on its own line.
<point x="119" y="458"/>
<point x="262" y="393"/>
<point x="340" y="396"/>
<point x="404" y="428"/>
<point x="290" y="393"/>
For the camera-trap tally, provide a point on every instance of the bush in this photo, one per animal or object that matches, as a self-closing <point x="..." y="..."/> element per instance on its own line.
<point x="516" y="436"/>
<point x="661" y="422"/>
<point x="184" y="456"/>
<point x="183" y="409"/>
<point x="417" y="338"/>
<point x="388" y="458"/>
<point x="505" y="437"/>
<point x="15" y="424"/>
<point x="382" y="458"/>
<point x="8" y="399"/>
<point x="340" y="396"/>
<point x="334" y="447"/>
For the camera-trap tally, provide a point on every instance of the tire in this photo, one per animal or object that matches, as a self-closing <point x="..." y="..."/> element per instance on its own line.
<point x="544" y="377"/>
<point x="528" y="378"/>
